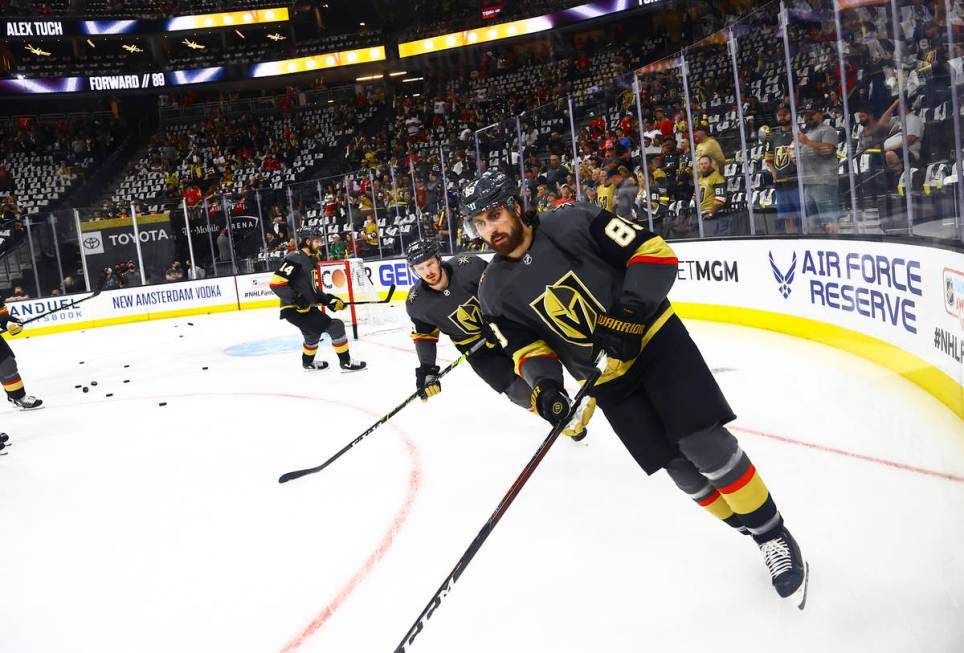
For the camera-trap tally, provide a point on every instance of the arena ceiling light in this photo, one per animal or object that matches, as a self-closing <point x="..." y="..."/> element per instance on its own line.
<point x="515" y="28"/>
<point x="227" y="19"/>
<point x="397" y="74"/>
<point x="318" y="62"/>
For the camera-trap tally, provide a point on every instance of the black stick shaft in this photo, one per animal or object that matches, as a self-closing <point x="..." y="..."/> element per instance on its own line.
<point x="388" y="298"/>
<point x="489" y="525"/>
<point x="290" y="476"/>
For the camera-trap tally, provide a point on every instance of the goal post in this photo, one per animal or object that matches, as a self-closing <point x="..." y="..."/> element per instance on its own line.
<point x="349" y="280"/>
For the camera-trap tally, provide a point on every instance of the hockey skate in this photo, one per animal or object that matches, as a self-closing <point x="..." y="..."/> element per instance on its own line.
<point x="315" y="366"/>
<point x="4" y="438"/>
<point x="26" y="402"/>
<point x="352" y="366"/>
<point x="789" y="571"/>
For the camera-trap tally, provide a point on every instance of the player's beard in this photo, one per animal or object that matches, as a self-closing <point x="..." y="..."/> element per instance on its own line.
<point x="509" y="240"/>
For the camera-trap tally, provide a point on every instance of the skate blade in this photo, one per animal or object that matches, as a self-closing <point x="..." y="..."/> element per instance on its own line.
<point x="800" y="596"/>
<point x="318" y="369"/>
<point x="344" y="371"/>
<point x="40" y="407"/>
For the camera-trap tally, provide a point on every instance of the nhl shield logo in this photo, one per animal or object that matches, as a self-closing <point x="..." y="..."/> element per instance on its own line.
<point x="468" y="317"/>
<point x="569" y="309"/>
<point x="784" y="279"/>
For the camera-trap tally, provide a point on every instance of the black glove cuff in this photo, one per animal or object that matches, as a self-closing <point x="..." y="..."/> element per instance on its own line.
<point x="550" y="401"/>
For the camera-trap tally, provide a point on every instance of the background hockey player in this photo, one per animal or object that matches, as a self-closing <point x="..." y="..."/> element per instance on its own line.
<point x="9" y="374"/>
<point x="445" y="300"/>
<point x="296" y="283"/>
<point x="583" y="280"/>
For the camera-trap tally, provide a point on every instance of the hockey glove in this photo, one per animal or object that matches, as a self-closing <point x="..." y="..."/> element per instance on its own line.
<point x="550" y="401"/>
<point x="426" y="380"/>
<point x="491" y="340"/>
<point x="577" y="425"/>
<point x="13" y="327"/>
<point x="619" y="333"/>
<point x="336" y="304"/>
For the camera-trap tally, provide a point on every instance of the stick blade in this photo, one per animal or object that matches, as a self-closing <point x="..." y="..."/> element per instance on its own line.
<point x="391" y="291"/>
<point x="290" y="476"/>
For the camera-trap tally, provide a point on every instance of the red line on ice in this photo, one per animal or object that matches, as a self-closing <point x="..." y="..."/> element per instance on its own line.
<point x="414" y="482"/>
<point x="851" y="454"/>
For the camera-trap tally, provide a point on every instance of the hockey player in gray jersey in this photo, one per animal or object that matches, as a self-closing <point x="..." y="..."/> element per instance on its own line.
<point x="445" y="301"/>
<point x="579" y="280"/>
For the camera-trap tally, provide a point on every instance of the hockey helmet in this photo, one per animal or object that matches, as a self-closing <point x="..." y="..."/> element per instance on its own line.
<point x="421" y="251"/>
<point x="489" y="190"/>
<point x="308" y="234"/>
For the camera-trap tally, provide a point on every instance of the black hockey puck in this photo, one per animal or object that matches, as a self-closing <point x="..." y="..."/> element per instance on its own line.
<point x="93" y="382"/>
<point x="126" y="366"/>
<point x="110" y="394"/>
<point x="127" y="380"/>
<point x="180" y="336"/>
<point x="77" y="386"/>
<point x="204" y="368"/>
<point x="81" y="363"/>
<point x="190" y="323"/>
<point x="86" y="389"/>
<point x="163" y="403"/>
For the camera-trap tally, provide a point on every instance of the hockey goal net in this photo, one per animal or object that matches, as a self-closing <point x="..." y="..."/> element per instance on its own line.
<point x="349" y="280"/>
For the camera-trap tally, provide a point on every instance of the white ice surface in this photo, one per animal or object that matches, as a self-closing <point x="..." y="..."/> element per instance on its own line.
<point x="130" y="527"/>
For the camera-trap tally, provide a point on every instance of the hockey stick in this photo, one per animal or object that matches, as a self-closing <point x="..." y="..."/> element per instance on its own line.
<point x="388" y="298"/>
<point x="290" y="476"/>
<point x="100" y="286"/>
<point x="500" y="510"/>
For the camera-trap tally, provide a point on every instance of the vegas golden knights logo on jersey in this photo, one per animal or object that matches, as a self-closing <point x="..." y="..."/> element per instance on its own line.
<point x="569" y="309"/>
<point x="782" y="158"/>
<point x="468" y="316"/>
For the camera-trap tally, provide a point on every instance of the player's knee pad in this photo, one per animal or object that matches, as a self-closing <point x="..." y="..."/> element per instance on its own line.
<point x="8" y="368"/>
<point x="714" y="451"/>
<point x="337" y="331"/>
<point x="686" y="476"/>
<point x="519" y="393"/>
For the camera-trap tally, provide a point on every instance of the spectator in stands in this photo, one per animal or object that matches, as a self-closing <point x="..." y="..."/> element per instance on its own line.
<point x="894" y="143"/>
<point x="556" y="174"/>
<point x="663" y="124"/>
<point x="818" y="170"/>
<point x="706" y="145"/>
<point x="712" y="198"/>
<point x="195" y="272"/>
<point x="338" y="248"/>
<point x="779" y="155"/>
<point x="129" y="276"/>
<point x="174" y="273"/>
<point x="18" y="294"/>
<point x="627" y="191"/>
<point x="110" y="281"/>
<point x="371" y="235"/>
<point x="606" y="190"/>
<point x="566" y="195"/>
<point x="191" y="194"/>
